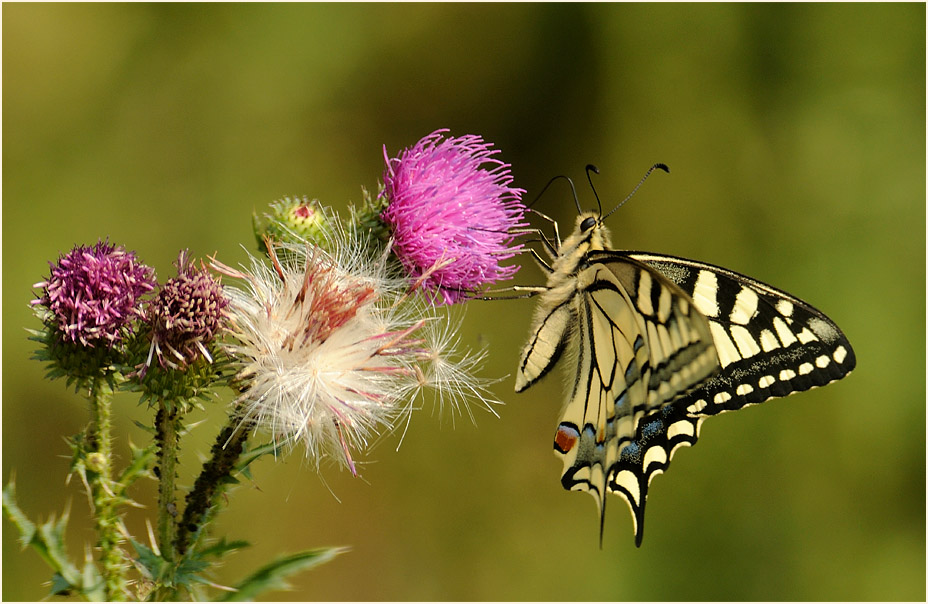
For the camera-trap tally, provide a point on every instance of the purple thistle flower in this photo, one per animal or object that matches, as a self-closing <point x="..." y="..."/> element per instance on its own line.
<point x="452" y="212"/>
<point x="185" y="316"/>
<point x="94" y="293"/>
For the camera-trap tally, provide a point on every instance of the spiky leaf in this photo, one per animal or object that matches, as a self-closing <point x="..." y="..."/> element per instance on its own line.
<point x="274" y="575"/>
<point x="47" y="540"/>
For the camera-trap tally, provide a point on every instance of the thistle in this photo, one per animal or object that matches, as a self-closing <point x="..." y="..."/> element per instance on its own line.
<point x="452" y="213"/>
<point x="323" y="341"/>
<point x="184" y="317"/>
<point x="90" y="304"/>
<point x="322" y="357"/>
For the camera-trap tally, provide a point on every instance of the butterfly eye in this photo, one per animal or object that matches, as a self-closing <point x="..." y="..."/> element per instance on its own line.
<point x="588" y="223"/>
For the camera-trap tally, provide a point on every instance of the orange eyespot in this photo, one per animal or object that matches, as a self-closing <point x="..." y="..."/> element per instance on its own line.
<point x="566" y="438"/>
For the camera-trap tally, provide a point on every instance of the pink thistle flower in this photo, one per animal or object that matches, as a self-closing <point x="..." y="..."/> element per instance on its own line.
<point x="94" y="294"/>
<point x="452" y="213"/>
<point x="185" y="316"/>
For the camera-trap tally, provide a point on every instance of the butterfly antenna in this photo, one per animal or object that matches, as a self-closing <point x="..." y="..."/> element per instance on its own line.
<point x="658" y="166"/>
<point x="591" y="168"/>
<point x="573" y="191"/>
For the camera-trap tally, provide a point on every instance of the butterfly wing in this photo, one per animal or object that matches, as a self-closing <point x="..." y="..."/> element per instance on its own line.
<point x="769" y="344"/>
<point x="660" y="434"/>
<point x="640" y="343"/>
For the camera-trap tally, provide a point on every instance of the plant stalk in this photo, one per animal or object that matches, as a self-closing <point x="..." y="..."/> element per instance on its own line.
<point x="167" y="427"/>
<point x="216" y="474"/>
<point x="100" y="477"/>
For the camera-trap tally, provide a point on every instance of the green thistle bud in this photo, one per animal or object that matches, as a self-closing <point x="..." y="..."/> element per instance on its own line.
<point x="96" y="462"/>
<point x="365" y="219"/>
<point x="292" y="221"/>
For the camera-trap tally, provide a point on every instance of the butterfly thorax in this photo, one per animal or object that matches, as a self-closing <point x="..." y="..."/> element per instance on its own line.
<point x="573" y="250"/>
<point x="571" y="259"/>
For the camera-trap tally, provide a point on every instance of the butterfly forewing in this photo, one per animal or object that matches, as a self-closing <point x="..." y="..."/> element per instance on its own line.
<point x="770" y="344"/>
<point x="546" y="344"/>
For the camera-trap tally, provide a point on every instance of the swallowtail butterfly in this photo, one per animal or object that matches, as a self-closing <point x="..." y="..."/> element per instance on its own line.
<point x="661" y="343"/>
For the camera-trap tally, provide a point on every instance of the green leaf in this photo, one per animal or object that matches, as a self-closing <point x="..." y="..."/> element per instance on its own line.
<point x="50" y="538"/>
<point x="222" y="548"/>
<point x="274" y="575"/>
<point x="153" y="564"/>
<point x="61" y="586"/>
<point x="250" y="455"/>
<point x="145" y="427"/>
<point x="16" y="516"/>
<point x="46" y="539"/>
<point x="94" y="588"/>
<point x="139" y="466"/>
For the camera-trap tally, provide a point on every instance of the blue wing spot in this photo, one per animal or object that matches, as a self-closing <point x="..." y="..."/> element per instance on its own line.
<point x="589" y="436"/>
<point x="589" y="448"/>
<point x="639" y="342"/>
<point x="651" y="429"/>
<point x="631" y="452"/>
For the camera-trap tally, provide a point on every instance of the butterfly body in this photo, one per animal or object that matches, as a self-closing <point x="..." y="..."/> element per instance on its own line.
<point x="660" y="343"/>
<point x="562" y="288"/>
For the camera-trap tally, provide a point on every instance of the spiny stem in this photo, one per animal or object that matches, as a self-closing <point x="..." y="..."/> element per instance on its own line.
<point x="214" y="476"/>
<point x="100" y="466"/>
<point x="167" y="426"/>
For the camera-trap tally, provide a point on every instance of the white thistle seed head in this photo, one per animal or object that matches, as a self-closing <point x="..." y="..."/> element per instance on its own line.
<point x="450" y="373"/>
<point x="331" y="350"/>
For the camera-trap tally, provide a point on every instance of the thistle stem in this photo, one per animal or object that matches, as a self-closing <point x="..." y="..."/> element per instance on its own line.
<point x="213" y="477"/>
<point x="99" y="476"/>
<point x="167" y="427"/>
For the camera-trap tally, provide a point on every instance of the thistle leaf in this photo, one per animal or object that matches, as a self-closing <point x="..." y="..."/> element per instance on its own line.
<point x="274" y="575"/>
<point x="47" y="540"/>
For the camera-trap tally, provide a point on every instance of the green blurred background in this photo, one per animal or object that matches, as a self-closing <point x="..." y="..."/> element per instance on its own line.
<point x="796" y="135"/>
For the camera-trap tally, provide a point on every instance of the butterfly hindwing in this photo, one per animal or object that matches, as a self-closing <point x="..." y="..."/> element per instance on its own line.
<point x="660" y="434"/>
<point x="639" y="343"/>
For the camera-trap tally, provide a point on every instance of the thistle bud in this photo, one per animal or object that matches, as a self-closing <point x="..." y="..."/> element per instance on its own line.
<point x="292" y="220"/>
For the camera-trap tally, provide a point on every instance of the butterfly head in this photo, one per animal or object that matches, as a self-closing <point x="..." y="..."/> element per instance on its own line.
<point x="590" y="234"/>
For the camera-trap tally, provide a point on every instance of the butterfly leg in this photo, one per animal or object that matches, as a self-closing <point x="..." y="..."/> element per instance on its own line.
<point x="529" y="291"/>
<point x="557" y="235"/>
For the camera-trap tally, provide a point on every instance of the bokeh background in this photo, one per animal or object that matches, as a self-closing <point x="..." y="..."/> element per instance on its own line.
<point x="796" y="136"/>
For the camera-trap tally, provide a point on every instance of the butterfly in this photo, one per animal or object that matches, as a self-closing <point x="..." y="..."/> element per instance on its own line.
<point x="658" y="344"/>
